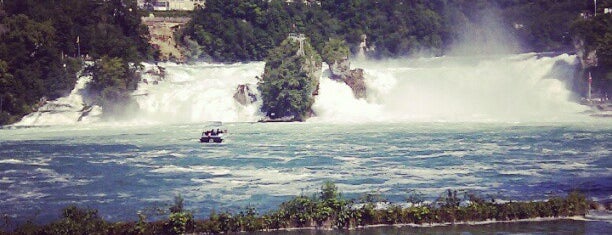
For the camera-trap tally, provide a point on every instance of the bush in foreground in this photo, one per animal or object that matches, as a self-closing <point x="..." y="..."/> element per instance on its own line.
<point x="328" y="209"/>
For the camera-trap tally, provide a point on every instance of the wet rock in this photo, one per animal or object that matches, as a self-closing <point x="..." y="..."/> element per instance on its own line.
<point x="340" y="70"/>
<point x="244" y="95"/>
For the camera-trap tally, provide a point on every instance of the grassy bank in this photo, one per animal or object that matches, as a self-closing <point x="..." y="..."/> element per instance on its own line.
<point x="325" y="210"/>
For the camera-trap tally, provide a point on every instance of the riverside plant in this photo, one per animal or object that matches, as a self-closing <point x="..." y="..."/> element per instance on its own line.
<point x="326" y="210"/>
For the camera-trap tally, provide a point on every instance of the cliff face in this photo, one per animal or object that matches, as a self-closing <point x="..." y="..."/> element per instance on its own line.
<point x="340" y="70"/>
<point x="290" y="80"/>
<point x="588" y="58"/>
<point x="596" y="75"/>
<point x="162" y="31"/>
<point x="244" y="95"/>
<point x="593" y="45"/>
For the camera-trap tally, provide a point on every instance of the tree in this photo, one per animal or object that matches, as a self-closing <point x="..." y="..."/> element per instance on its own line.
<point x="38" y="44"/>
<point x="335" y="50"/>
<point x="289" y="81"/>
<point x="111" y="84"/>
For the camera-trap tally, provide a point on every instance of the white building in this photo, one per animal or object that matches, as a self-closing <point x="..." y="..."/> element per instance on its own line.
<point x="169" y="5"/>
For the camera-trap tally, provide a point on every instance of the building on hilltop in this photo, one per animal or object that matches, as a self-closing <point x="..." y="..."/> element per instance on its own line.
<point x="170" y="5"/>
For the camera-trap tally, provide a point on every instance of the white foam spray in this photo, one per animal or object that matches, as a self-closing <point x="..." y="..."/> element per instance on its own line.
<point x="511" y="88"/>
<point x="199" y="92"/>
<point x="66" y="110"/>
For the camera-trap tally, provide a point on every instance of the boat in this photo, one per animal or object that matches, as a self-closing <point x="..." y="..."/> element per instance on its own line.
<point x="213" y="134"/>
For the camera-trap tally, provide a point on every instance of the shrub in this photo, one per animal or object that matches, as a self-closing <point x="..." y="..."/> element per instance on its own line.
<point x="250" y="220"/>
<point x="78" y="221"/>
<point x="178" y="222"/>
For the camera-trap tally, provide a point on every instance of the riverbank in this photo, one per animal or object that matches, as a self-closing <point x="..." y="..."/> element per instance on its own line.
<point x="326" y="210"/>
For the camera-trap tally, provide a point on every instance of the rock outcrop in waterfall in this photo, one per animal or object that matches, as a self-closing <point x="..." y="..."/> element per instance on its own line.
<point x="290" y="80"/>
<point x="244" y="95"/>
<point x="335" y="54"/>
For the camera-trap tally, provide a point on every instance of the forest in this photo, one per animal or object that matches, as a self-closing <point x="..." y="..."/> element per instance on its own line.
<point x="237" y="30"/>
<point x="43" y="45"/>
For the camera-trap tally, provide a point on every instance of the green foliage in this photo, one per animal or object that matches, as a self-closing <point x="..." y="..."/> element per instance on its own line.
<point x="343" y="217"/>
<point x="329" y="191"/>
<point x="335" y="50"/>
<point x="596" y="33"/>
<point x="178" y="205"/>
<point x="546" y="23"/>
<point x="275" y="219"/>
<point x="418" y="214"/>
<point x="250" y="220"/>
<point x="289" y="81"/>
<point x="141" y="226"/>
<point x="112" y="81"/>
<point x="39" y="48"/>
<point x="322" y="213"/>
<point x="177" y="222"/>
<point x="299" y="210"/>
<point x="367" y="215"/>
<point x="238" y="30"/>
<point x="302" y="211"/>
<point x="78" y="221"/>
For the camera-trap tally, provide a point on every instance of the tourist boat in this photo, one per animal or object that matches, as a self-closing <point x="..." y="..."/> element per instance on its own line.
<point x="214" y="134"/>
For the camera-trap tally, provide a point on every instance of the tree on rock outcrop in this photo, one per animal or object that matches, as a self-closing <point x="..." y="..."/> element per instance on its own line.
<point x="335" y="50"/>
<point x="290" y="80"/>
<point x="336" y="54"/>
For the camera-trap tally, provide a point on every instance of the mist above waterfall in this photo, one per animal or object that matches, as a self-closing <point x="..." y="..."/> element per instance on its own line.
<point x="484" y="34"/>
<point x="482" y="79"/>
<point x="511" y="88"/>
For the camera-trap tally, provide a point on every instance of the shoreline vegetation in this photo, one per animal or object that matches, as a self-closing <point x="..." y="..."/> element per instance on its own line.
<point x="325" y="210"/>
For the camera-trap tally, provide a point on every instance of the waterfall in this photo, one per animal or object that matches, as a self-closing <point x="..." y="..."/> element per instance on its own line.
<point x="199" y="92"/>
<point x="525" y="87"/>
<point x="66" y="110"/>
<point x="514" y="88"/>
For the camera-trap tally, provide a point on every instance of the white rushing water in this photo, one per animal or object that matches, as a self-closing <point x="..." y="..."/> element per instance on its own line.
<point x="199" y="92"/>
<point x="514" y="88"/>
<point x="67" y="110"/>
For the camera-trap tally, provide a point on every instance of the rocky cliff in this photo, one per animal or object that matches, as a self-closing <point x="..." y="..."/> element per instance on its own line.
<point x="340" y="70"/>
<point x="290" y="80"/>
<point x="162" y="30"/>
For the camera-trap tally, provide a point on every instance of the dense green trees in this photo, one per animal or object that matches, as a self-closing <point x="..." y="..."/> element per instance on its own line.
<point x="289" y="81"/>
<point x="32" y="66"/>
<point x="596" y="33"/>
<point x="238" y="30"/>
<point x="335" y="50"/>
<point x="546" y="23"/>
<point x="40" y="42"/>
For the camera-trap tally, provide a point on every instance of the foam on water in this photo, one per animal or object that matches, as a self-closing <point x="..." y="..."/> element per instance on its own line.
<point x="457" y="89"/>
<point x="263" y="164"/>
<point x="67" y="110"/>
<point x="511" y="88"/>
<point x="199" y="92"/>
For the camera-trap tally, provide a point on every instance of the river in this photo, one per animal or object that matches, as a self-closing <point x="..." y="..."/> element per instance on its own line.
<point x="505" y="128"/>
